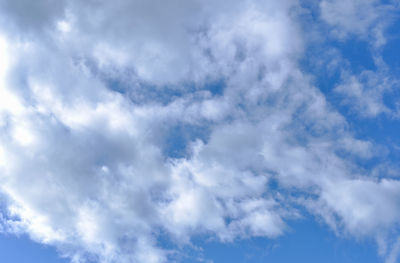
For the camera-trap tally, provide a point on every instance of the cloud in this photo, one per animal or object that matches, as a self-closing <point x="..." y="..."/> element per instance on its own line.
<point x="365" y="93"/>
<point x="366" y="19"/>
<point x="358" y="210"/>
<point x="93" y="90"/>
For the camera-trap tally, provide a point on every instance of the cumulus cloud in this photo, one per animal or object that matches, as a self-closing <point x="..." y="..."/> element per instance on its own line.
<point x="92" y="91"/>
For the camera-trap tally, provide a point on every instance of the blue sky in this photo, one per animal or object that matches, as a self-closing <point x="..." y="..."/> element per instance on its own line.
<point x="199" y="131"/>
<point x="305" y="242"/>
<point x="21" y="249"/>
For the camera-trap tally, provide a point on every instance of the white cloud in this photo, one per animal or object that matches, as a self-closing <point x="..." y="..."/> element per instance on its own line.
<point x="366" y="19"/>
<point x="350" y="16"/>
<point x="365" y="93"/>
<point x="91" y="97"/>
<point x="360" y="211"/>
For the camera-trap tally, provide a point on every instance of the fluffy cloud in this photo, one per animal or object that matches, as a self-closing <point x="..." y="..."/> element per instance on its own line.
<point x="91" y="93"/>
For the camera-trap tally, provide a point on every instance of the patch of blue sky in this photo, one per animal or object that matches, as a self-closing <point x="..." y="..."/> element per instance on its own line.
<point x="390" y="51"/>
<point x="317" y="61"/>
<point x="179" y="136"/>
<point x="306" y="240"/>
<point x="357" y="52"/>
<point x="21" y="249"/>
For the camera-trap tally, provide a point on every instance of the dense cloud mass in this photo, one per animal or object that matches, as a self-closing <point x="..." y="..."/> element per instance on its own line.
<point x="123" y="123"/>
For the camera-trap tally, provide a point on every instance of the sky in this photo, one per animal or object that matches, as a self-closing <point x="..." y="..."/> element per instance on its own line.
<point x="199" y="131"/>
